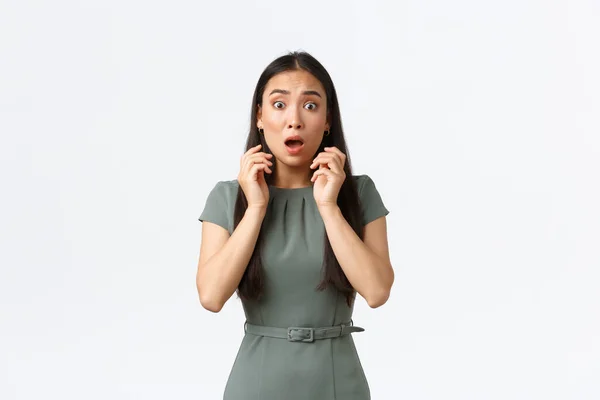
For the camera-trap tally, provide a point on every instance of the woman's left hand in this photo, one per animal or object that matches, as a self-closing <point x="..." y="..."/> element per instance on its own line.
<point x="330" y="176"/>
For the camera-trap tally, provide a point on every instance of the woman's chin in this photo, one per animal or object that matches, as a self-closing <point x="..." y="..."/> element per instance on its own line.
<point x="293" y="161"/>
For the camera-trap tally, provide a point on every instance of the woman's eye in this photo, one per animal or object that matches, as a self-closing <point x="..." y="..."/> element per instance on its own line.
<point x="282" y="105"/>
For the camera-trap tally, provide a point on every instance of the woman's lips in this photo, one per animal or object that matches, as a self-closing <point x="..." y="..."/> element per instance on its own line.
<point x="295" y="148"/>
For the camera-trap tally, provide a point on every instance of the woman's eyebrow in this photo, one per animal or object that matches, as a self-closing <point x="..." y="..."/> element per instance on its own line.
<point x="283" y="91"/>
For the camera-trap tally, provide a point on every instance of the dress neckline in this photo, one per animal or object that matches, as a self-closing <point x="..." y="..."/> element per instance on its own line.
<point x="292" y="190"/>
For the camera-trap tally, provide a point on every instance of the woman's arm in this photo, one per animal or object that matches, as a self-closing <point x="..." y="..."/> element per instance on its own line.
<point x="224" y="258"/>
<point x="366" y="263"/>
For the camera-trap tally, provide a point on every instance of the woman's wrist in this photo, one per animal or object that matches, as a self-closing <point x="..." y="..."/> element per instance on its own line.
<point x="256" y="212"/>
<point x="328" y="210"/>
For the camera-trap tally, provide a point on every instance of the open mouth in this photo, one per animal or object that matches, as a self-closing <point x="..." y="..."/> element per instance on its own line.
<point x="294" y="143"/>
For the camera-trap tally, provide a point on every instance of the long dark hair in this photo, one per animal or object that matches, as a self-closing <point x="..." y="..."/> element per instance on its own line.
<point x="251" y="285"/>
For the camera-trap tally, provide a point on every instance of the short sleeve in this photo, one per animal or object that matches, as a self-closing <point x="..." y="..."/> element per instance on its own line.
<point x="216" y="208"/>
<point x="372" y="204"/>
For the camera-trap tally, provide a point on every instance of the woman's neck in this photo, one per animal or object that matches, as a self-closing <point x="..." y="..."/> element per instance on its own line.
<point x="292" y="177"/>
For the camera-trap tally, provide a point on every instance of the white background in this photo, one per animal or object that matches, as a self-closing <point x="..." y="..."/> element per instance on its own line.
<point x="478" y="122"/>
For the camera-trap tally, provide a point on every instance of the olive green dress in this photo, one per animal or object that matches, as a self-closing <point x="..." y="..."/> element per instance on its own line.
<point x="273" y="368"/>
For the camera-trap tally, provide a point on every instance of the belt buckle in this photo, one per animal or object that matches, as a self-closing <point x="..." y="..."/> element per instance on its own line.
<point x="302" y="334"/>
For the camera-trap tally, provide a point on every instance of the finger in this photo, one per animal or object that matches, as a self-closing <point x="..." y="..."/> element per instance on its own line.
<point x="328" y="161"/>
<point x="262" y="157"/>
<point x="256" y="160"/>
<point x="253" y="149"/>
<point x="336" y="151"/>
<point x="250" y="155"/>
<point x="325" y="171"/>
<point x="319" y="159"/>
<point x="327" y="155"/>
<point x="334" y="166"/>
<point x="319" y="162"/>
<point x="261" y="154"/>
<point x="248" y="152"/>
<point x="319" y="172"/>
<point x="259" y="167"/>
<point x="258" y="157"/>
<point x="253" y="171"/>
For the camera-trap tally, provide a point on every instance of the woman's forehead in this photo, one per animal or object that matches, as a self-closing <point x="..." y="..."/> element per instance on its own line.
<point x="294" y="81"/>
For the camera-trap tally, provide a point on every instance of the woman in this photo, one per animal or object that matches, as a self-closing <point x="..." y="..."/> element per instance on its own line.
<point x="297" y="236"/>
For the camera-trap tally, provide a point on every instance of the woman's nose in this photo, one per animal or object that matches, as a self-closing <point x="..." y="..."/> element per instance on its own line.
<point x="294" y="119"/>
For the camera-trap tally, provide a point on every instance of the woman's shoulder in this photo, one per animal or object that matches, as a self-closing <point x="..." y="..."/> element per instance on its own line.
<point x="370" y="198"/>
<point x="361" y="180"/>
<point x="229" y="183"/>
<point x="227" y="187"/>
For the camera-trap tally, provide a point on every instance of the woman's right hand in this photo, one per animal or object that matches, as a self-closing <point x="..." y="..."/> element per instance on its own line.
<point x="251" y="178"/>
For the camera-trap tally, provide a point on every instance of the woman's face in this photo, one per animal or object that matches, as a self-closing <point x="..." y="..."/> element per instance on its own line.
<point x="293" y="103"/>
